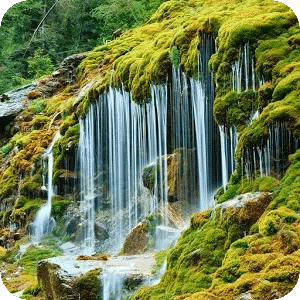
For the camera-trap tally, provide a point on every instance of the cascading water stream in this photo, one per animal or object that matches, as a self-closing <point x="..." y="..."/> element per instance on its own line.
<point x="113" y="281"/>
<point x="119" y="138"/>
<point x="270" y="157"/>
<point x="43" y="223"/>
<point x="229" y="140"/>
<point x="243" y="79"/>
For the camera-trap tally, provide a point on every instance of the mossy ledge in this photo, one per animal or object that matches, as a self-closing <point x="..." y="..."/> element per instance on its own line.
<point x="177" y="27"/>
<point x="214" y="259"/>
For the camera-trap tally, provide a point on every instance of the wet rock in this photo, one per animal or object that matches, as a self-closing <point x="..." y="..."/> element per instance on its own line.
<point x="68" y="248"/>
<point x="73" y="219"/>
<point x="66" y="278"/>
<point x="136" y="241"/>
<point x="13" y="102"/>
<point x="247" y="208"/>
<point x="101" y="232"/>
<point x="17" y="236"/>
<point x="246" y="296"/>
<point x="181" y="175"/>
<point x="63" y="76"/>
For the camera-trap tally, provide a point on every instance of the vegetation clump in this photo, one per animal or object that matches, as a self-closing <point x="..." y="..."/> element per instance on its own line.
<point x="214" y="259"/>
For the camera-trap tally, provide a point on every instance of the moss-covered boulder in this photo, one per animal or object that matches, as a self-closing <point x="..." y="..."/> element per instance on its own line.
<point x="137" y="239"/>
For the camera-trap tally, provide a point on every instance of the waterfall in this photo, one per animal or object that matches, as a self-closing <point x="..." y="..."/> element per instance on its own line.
<point x="112" y="282"/>
<point x="243" y="70"/>
<point x="119" y="138"/>
<point x="228" y="146"/>
<point x="43" y="223"/>
<point x="243" y="78"/>
<point x="270" y="157"/>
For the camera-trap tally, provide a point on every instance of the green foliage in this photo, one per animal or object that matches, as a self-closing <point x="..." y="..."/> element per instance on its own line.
<point x="72" y="26"/>
<point x="39" y="64"/>
<point x="175" y="56"/>
<point x="6" y="148"/>
<point x="34" y="254"/>
<point x="89" y="285"/>
<point x="36" y="105"/>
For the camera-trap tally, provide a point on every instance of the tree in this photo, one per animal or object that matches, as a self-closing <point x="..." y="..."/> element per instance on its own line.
<point x="39" y="64"/>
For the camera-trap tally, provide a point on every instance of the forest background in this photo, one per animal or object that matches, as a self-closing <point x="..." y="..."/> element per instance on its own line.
<point x="36" y="35"/>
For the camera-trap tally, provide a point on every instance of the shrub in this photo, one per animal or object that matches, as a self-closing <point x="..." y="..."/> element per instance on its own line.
<point x="6" y="148"/>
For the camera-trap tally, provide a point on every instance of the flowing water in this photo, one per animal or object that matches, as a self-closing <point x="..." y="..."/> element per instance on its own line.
<point x="270" y="157"/>
<point x="112" y="282"/>
<point x="119" y="138"/>
<point x="43" y="223"/>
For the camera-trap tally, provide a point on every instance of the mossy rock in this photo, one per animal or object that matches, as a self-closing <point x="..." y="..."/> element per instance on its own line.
<point x="89" y="285"/>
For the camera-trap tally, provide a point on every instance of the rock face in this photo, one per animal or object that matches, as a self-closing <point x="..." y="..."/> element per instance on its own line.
<point x="65" y="278"/>
<point x="12" y="103"/>
<point x="182" y="177"/>
<point x="247" y="208"/>
<point x="64" y="75"/>
<point x="137" y="240"/>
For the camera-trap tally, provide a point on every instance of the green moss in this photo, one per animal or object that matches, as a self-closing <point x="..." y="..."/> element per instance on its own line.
<point x="27" y="205"/>
<point x="31" y="186"/>
<point x="173" y="34"/>
<point x="8" y="183"/>
<point x="160" y="257"/>
<point x="70" y="139"/>
<point x="175" y="56"/>
<point x="34" y="254"/>
<point x="259" y="184"/>
<point x="287" y="85"/>
<point x="67" y="123"/>
<point x="89" y="285"/>
<point x="234" y="109"/>
<point x="230" y="193"/>
<point x="6" y="148"/>
<point x="36" y="105"/>
<point x="34" y="289"/>
<point x="40" y="122"/>
<point x="199" y="219"/>
<point x="59" y="206"/>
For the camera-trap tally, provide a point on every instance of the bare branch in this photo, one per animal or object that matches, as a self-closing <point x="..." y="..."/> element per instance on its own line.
<point x="40" y="24"/>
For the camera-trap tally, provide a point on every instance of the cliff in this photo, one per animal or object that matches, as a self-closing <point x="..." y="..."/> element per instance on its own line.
<point x="243" y="58"/>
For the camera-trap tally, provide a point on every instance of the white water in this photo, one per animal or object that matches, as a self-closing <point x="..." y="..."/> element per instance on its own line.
<point x="243" y="70"/>
<point x="229" y="140"/>
<point x="113" y="281"/>
<point x="119" y="138"/>
<point x="43" y="223"/>
<point x="243" y="79"/>
<point x="270" y="157"/>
